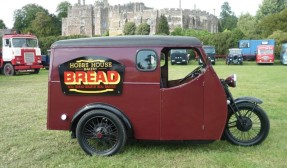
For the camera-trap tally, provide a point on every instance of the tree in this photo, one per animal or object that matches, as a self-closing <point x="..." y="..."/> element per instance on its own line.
<point x="273" y="22"/>
<point x="23" y="17"/>
<point x="143" y="29"/>
<point x="162" y="25"/>
<point x="280" y="37"/>
<point x="2" y="24"/>
<point x="227" y="20"/>
<point x="44" y="25"/>
<point x="269" y="7"/>
<point x="62" y="9"/>
<point x="129" y="28"/>
<point x="225" y="40"/>
<point x="248" y="26"/>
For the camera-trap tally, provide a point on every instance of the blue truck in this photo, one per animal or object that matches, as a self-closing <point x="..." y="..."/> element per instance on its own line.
<point x="249" y="47"/>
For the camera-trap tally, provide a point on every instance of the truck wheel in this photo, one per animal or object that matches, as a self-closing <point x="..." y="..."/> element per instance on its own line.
<point x="36" y="71"/>
<point x="8" y="70"/>
<point x="100" y="132"/>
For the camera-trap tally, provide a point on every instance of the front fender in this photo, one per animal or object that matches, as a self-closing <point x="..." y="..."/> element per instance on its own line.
<point x="102" y="106"/>
<point x="248" y="99"/>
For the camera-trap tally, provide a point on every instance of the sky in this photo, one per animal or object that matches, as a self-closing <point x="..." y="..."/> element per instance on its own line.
<point x="211" y="6"/>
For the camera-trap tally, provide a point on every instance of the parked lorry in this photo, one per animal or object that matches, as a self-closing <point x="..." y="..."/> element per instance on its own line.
<point x="46" y="60"/>
<point x="20" y="52"/>
<point x="283" y="54"/>
<point x="179" y="56"/>
<point x="265" y="54"/>
<point x="210" y="52"/>
<point x="249" y="47"/>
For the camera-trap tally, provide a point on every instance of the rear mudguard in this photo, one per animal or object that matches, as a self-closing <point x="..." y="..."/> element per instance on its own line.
<point x="248" y="99"/>
<point x="101" y="106"/>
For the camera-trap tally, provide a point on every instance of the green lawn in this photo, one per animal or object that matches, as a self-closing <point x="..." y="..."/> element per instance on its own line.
<point x="25" y="141"/>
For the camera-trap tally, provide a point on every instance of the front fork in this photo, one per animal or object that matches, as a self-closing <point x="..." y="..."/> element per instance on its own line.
<point x="232" y="104"/>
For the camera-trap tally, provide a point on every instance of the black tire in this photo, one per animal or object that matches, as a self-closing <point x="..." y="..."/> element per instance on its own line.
<point x="255" y="129"/>
<point x="8" y="70"/>
<point x="100" y="132"/>
<point x="36" y="71"/>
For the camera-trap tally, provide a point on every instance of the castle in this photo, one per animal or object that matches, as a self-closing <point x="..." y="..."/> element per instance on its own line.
<point x="100" y="18"/>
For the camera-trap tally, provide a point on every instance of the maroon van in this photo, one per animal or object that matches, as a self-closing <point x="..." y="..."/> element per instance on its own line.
<point x="106" y="90"/>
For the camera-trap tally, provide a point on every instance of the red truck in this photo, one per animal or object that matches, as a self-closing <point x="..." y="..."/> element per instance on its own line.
<point x="265" y="54"/>
<point x="105" y="90"/>
<point x="20" y="52"/>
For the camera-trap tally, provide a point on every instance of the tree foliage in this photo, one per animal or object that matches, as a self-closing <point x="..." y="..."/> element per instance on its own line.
<point x="23" y="17"/>
<point x="2" y="24"/>
<point x="129" y="28"/>
<point x="274" y="22"/>
<point x="37" y="20"/>
<point x="269" y="7"/>
<point x="248" y="25"/>
<point x="62" y="9"/>
<point x="162" y="26"/>
<point x="280" y="37"/>
<point x="227" y="20"/>
<point x="143" y="29"/>
<point x="46" y="42"/>
<point x="225" y="40"/>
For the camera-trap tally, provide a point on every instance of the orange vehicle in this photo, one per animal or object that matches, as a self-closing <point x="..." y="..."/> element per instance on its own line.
<point x="265" y="54"/>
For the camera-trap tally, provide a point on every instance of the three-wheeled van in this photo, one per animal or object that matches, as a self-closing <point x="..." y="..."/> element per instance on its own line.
<point x="105" y="90"/>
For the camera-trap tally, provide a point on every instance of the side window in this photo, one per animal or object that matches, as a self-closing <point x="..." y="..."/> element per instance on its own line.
<point x="146" y="60"/>
<point x="244" y="45"/>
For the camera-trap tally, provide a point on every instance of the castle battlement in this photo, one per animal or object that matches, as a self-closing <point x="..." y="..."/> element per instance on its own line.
<point x="101" y="17"/>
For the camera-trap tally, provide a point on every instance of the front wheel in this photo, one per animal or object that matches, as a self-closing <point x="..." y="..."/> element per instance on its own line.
<point x="8" y="70"/>
<point x="250" y="128"/>
<point x="100" y="132"/>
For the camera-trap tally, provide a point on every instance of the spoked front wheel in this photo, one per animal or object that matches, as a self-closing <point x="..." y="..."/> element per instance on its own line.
<point x="250" y="128"/>
<point x="100" y="132"/>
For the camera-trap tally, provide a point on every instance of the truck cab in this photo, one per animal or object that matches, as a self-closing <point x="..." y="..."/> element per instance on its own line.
<point x="179" y="56"/>
<point x="20" y="52"/>
<point x="210" y="53"/>
<point x="265" y="54"/>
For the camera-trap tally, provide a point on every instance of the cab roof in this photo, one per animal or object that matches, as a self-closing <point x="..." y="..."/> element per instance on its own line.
<point x="127" y="41"/>
<point x="19" y="36"/>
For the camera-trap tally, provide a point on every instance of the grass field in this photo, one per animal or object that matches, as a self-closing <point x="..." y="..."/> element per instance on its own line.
<point x="25" y="141"/>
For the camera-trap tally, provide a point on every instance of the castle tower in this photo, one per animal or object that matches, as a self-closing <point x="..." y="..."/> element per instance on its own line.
<point x="101" y="17"/>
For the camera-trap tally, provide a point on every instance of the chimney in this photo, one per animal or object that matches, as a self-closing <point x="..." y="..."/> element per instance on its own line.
<point x="84" y="2"/>
<point x="79" y="2"/>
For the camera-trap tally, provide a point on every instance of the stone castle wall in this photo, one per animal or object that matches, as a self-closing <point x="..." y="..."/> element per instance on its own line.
<point x="99" y="18"/>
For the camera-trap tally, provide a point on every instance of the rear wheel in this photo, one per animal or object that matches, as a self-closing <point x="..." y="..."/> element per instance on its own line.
<point x="8" y="70"/>
<point x="251" y="128"/>
<point x="100" y="132"/>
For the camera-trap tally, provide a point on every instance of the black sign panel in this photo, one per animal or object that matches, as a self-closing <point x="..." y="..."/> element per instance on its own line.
<point x="92" y="75"/>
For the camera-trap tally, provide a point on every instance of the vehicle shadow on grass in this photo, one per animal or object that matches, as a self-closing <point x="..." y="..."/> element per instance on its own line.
<point x="221" y="145"/>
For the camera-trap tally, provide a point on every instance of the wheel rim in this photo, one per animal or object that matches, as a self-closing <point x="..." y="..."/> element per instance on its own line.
<point x="8" y="70"/>
<point x="100" y="134"/>
<point x="247" y="128"/>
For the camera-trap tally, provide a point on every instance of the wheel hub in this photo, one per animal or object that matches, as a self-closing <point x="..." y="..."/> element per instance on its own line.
<point x="244" y="124"/>
<point x="100" y="131"/>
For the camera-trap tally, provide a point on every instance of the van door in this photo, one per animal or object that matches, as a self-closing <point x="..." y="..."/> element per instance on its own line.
<point x="182" y="110"/>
